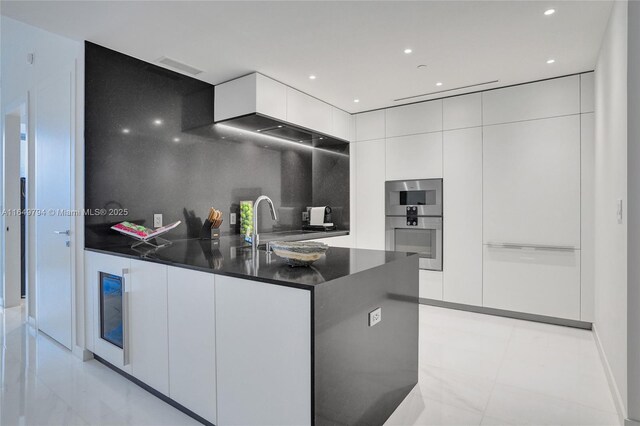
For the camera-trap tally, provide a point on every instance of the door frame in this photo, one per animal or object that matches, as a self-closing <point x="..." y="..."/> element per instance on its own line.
<point x="21" y="106"/>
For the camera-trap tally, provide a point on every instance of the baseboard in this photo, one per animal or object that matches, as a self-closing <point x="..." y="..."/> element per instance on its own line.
<point x="509" y="314"/>
<point x="611" y="380"/>
<point x="154" y="392"/>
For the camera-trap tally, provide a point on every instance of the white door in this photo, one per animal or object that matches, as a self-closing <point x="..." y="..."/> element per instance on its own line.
<point x="53" y="127"/>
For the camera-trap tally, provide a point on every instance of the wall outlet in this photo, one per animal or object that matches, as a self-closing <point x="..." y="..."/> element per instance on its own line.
<point x="232" y="218"/>
<point x="375" y="317"/>
<point x="157" y="220"/>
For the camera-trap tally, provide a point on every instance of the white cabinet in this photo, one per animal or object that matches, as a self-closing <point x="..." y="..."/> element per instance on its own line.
<point x="341" y="124"/>
<point x="587" y="92"/>
<point x="271" y="97"/>
<point x="549" y="98"/>
<point x="370" y="125"/>
<point x="192" y="342"/>
<point x="430" y="285"/>
<point x="148" y="324"/>
<point x="370" y="179"/>
<point x="96" y="263"/>
<point x="263" y="337"/>
<point x="414" y="157"/>
<point x="587" y="216"/>
<point x="307" y="111"/>
<point x="249" y="94"/>
<point x="531" y="182"/>
<point x="416" y="118"/>
<point x="533" y="281"/>
<point x="460" y="112"/>
<point x="462" y="214"/>
<point x="256" y="93"/>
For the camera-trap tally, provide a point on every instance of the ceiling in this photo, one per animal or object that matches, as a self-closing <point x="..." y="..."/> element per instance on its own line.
<point x="355" y="48"/>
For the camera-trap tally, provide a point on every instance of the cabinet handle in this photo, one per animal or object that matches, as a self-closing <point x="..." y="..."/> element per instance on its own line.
<point x="530" y="247"/>
<point x="125" y="317"/>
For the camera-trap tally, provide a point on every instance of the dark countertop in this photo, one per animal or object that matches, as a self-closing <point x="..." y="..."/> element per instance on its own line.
<point x="231" y="256"/>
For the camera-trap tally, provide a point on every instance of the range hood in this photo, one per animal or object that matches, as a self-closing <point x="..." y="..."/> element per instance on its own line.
<point x="268" y="127"/>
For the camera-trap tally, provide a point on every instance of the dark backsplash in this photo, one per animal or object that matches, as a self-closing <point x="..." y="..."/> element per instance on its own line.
<point x="182" y="165"/>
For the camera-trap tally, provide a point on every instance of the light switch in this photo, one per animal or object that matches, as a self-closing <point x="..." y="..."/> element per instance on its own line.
<point x="619" y="211"/>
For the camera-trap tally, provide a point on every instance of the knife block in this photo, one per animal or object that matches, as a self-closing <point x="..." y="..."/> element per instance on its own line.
<point x="209" y="233"/>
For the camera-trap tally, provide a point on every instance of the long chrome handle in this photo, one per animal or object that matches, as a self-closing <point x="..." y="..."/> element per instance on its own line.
<point x="125" y="318"/>
<point x="531" y="247"/>
<point x="67" y="232"/>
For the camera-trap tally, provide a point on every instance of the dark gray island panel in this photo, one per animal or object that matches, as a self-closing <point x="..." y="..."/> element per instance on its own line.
<point x="362" y="373"/>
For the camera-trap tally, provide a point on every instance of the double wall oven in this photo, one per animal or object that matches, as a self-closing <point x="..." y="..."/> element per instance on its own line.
<point x="414" y="219"/>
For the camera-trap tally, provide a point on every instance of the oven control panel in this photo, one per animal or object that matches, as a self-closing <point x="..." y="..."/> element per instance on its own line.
<point x="412" y="215"/>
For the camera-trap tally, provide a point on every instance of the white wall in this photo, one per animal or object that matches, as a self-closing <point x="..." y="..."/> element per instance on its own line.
<point x="633" y="286"/>
<point x="610" y="186"/>
<point x="19" y="81"/>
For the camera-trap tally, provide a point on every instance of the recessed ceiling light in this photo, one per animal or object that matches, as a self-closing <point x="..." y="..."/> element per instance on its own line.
<point x="356" y="100"/>
<point x="421" y="66"/>
<point x="157" y="122"/>
<point x="126" y="131"/>
<point x="312" y="77"/>
<point x="439" y="84"/>
<point x="407" y="51"/>
<point x="549" y="12"/>
<point x="176" y="139"/>
<point x="550" y="61"/>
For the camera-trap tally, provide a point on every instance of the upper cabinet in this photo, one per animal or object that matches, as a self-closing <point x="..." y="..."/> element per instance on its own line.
<point x="587" y="89"/>
<point x="423" y="117"/>
<point x="258" y="94"/>
<point x="462" y="112"/>
<point x="250" y="94"/>
<point x="414" y="157"/>
<point x="370" y="125"/>
<point x="342" y="124"/>
<point x="307" y="111"/>
<point x="543" y="99"/>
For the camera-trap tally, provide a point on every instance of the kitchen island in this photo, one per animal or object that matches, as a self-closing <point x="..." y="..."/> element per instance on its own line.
<point x="233" y="337"/>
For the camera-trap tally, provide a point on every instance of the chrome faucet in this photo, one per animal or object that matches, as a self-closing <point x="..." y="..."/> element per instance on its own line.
<point x="255" y="237"/>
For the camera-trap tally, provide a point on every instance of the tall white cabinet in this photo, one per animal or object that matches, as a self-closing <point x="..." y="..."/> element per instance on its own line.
<point x="462" y="206"/>
<point x="517" y="169"/>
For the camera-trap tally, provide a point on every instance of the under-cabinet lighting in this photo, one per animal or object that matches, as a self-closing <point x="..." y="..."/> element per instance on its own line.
<point x="275" y="138"/>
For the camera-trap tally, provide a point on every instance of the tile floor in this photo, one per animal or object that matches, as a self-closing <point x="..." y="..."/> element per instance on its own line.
<point x="474" y="369"/>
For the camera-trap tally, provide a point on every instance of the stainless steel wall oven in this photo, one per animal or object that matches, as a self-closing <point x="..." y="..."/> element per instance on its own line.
<point x="414" y="219"/>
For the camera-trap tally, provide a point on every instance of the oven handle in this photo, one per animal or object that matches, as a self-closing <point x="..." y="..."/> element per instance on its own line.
<point x="531" y="247"/>
<point x="424" y="222"/>
<point x="125" y="317"/>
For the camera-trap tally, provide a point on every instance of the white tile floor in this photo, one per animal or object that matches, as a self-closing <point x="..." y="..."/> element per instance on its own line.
<point x="479" y="369"/>
<point x="474" y="369"/>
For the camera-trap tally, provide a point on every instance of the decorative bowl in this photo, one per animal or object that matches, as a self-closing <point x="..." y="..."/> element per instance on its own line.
<point x="299" y="253"/>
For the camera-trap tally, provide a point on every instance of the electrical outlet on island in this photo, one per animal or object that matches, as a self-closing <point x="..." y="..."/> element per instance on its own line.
<point x="157" y="220"/>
